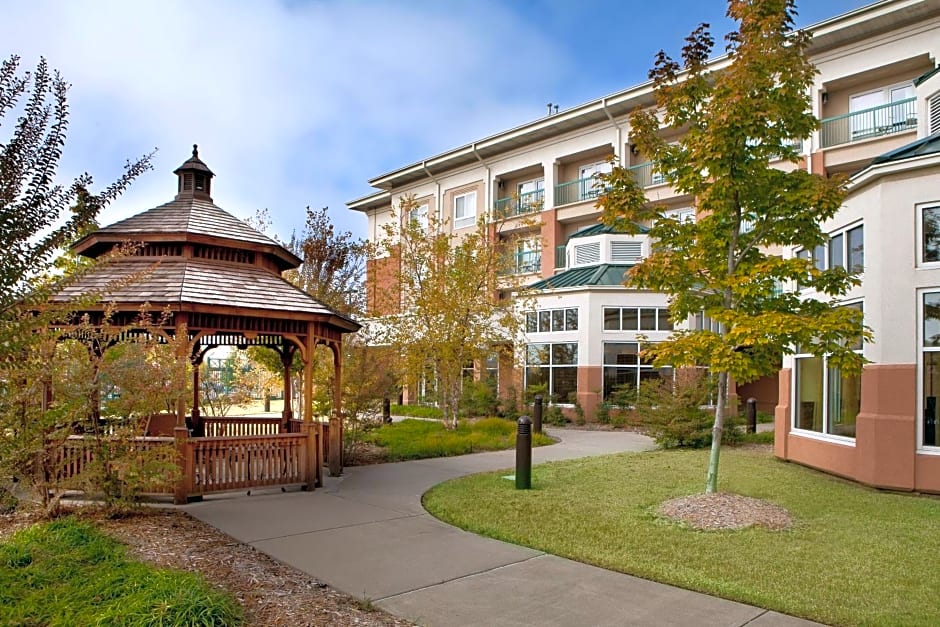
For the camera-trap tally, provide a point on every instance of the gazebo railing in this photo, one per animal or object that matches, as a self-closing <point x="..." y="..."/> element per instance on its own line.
<point x="222" y="464"/>
<point x="220" y="427"/>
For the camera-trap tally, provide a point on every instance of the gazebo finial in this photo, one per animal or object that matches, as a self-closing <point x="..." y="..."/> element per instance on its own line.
<point x="195" y="178"/>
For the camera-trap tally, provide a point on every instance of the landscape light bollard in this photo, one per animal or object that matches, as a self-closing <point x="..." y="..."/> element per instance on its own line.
<point x="386" y="411"/>
<point x="524" y="454"/>
<point x="751" y="414"/>
<point x="537" y="414"/>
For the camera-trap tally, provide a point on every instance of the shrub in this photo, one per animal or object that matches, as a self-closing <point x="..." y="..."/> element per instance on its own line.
<point x="478" y="399"/>
<point x="552" y="415"/>
<point x="673" y="411"/>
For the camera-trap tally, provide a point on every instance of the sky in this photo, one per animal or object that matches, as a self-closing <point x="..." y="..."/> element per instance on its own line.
<point x="298" y="103"/>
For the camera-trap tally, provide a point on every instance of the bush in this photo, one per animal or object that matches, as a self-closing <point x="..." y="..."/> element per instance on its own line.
<point x="552" y="415"/>
<point x="419" y="439"/>
<point x="673" y="411"/>
<point x="478" y="399"/>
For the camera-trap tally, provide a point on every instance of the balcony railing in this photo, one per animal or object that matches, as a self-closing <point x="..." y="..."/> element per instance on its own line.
<point x="577" y="191"/>
<point x="529" y="202"/>
<point x="526" y="262"/>
<point x="887" y="119"/>
<point x="646" y="174"/>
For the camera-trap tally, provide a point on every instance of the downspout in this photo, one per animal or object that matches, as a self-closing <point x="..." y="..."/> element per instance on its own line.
<point x="618" y="147"/>
<point x="487" y="187"/>
<point x="437" y="197"/>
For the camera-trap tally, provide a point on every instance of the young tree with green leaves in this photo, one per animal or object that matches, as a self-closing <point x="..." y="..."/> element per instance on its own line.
<point x="739" y="121"/>
<point x="39" y="218"/>
<point x="452" y="315"/>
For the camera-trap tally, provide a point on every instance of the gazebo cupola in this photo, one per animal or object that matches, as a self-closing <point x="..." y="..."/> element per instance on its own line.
<point x="195" y="178"/>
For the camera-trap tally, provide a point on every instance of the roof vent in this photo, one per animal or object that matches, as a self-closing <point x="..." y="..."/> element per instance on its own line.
<point x="195" y="178"/>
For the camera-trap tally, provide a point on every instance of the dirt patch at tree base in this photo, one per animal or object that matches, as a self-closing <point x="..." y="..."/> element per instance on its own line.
<point x="722" y="511"/>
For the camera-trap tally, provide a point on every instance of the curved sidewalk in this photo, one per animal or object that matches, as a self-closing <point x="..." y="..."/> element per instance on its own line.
<point x="366" y="534"/>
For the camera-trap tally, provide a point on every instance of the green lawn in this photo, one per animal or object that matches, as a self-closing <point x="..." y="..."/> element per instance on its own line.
<point x="67" y="573"/>
<point x="856" y="556"/>
<point x="419" y="439"/>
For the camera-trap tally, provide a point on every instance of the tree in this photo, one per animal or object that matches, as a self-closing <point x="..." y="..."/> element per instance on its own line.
<point x="38" y="218"/>
<point x="452" y="315"/>
<point x="334" y="263"/>
<point x="737" y="121"/>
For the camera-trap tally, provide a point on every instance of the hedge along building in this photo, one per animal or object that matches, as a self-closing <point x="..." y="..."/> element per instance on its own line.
<point x="219" y="281"/>
<point x="864" y="95"/>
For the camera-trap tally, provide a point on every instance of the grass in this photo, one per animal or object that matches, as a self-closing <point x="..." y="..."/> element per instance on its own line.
<point x="417" y="411"/>
<point x="419" y="439"/>
<point x="856" y="556"/>
<point x="66" y="573"/>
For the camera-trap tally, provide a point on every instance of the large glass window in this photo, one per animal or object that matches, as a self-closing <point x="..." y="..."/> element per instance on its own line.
<point x="420" y="215"/>
<point x="554" y="366"/>
<point x="845" y="249"/>
<point x="587" y="175"/>
<point x="637" y="319"/>
<point x="623" y="367"/>
<point x="465" y="209"/>
<point x="930" y="363"/>
<point x="930" y="234"/>
<point x="549" y="320"/>
<point x="826" y="400"/>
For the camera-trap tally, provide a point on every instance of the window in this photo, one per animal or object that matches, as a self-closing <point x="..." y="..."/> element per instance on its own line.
<point x="588" y="183"/>
<point x="845" y="249"/>
<point x="554" y="366"/>
<point x="637" y="319"/>
<point x="930" y="366"/>
<point x="420" y="215"/>
<point x="624" y="368"/>
<point x="682" y="215"/>
<point x="826" y="400"/>
<point x="465" y="209"/>
<point x="531" y="195"/>
<point x="551" y="320"/>
<point x="930" y="234"/>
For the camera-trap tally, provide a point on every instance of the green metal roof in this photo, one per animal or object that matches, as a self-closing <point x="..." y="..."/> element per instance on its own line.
<point x="924" y="146"/>
<point x="600" y="229"/>
<point x="604" y="274"/>
<point x="920" y="79"/>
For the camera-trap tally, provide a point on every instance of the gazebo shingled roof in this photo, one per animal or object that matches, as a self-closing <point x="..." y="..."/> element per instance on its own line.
<point x="219" y="279"/>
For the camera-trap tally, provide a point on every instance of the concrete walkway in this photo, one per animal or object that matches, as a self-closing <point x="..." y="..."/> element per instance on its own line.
<point x="366" y="534"/>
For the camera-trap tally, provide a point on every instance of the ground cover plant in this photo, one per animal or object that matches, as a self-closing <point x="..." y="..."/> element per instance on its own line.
<point x="418" y="439"/>
<point x="66" y="572"/>
<point x="854" y="555"/>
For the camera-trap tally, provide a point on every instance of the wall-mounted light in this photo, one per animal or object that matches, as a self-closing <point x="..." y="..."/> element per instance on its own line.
<point x="634" y="149"/>
<point x="825" y="97"/>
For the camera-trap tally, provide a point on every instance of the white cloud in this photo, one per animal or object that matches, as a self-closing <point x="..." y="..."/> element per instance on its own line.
<point x="292" y="104"/>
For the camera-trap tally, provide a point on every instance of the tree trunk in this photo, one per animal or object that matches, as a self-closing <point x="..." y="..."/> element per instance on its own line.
<point x="711" y="482"/>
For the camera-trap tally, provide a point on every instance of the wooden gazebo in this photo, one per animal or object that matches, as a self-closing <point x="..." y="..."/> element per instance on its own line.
<point x="220" y="282"/>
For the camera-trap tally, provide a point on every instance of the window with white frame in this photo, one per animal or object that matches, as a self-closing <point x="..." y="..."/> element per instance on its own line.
<point x="845" y="249"/>
<point x="624" y="369"/>
<point x="551" y="320"/>
<point x="930" y="234"/>
<point x="554" y="366"/>
<point x="826" y="400"/>
<point x="637" y="319"/>
<point x="587" y="175"/>
<point x="686" y="214"/>
<point x="420" y="215"/>
<point x="930" y="368"/>
<point x="531" y="195"/>
<point x="528" y="256"/>
<point x="465" y="209"/>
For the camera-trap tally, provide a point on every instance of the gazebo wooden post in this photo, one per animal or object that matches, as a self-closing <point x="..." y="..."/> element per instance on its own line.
<point x="287" y="360"/>
<point x="336" y="419"/>
<point x="313" y="430"/>
<point x="180" y="431"/>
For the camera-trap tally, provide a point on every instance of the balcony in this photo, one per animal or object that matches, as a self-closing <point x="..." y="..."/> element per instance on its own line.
<point x="525" y="262"/>
<point x="646" y="174"/>
<point x="887" y="119"/>
<point x="577" y="191"/>
<point x="529" y="202"/>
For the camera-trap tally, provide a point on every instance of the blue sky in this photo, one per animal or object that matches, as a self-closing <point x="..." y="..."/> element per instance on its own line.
<point x="300" y="102"/>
